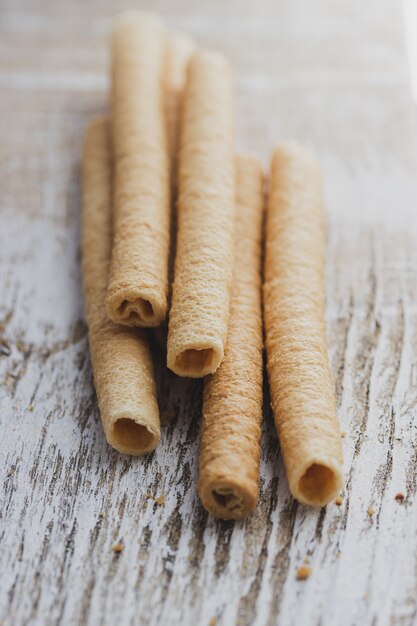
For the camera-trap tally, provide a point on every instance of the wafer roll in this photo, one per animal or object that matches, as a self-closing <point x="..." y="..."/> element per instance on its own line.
<point x="232" y="402"/>
<point x="204" y="259"/>
<point x="300" y="380"/>
<point x="120" y="356"/>
<point x="138" y="285"/>
<point x="179" y="51"/>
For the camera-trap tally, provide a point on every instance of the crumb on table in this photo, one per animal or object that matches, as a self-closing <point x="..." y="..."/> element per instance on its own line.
<point x="339" y="501"/>
<point x="117" y="548"/>
<point x="400" y="497"/>
<point x="159" y="500"/>
<point x="303" y="572"/>
<point x="371" y="510"/>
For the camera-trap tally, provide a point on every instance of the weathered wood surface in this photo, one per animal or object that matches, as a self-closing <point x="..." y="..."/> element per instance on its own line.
<point x="332" y="74"/>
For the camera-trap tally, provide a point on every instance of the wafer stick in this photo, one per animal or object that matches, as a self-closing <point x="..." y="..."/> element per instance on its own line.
<point x="204" y="260"/>
<point x="232" y="402"/>
<point x="120" y="356"/>
<point x="138" y="285"/>
<point x="179" y="51"/>
<point x="300" y="380"/>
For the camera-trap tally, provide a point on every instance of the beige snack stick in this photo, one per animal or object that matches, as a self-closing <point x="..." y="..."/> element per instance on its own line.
<point x="179" y="51"/>
<point x="199" y="314"/>
<point x="138" y="284"/>
<point x="299" y="375"/>
<point x="232" y="402"/>
<point x="120" y="356"/>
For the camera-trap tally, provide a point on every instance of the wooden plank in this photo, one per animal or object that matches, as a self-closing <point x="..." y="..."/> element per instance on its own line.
<point x="334" y="76"/>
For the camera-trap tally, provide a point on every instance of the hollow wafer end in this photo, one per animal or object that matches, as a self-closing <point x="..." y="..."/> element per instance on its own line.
<point x="195" y="362"/>
<point x="135" y="309"/>
<point x="317" y="483"/>
<point x="132" y="437"/>
<point x="228" y="498"/>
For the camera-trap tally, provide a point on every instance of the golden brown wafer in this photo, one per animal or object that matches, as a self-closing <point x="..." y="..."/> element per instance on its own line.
<point x="138" y="285"/>
<point x="300" y="380"/>
<point x="178" y="54"/>
<point x="204" y="260"/>
<point x="179" y="50"/>
<point x="120" y="356"/>
<point x="232" y="403"/>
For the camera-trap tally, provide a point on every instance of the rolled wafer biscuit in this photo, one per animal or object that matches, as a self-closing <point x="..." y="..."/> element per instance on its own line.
<point x="179" y="51"/>
<point x="199" y="313"/>
<point x="138" y="284"/>
<point x="120" y="356"/>
<point x="300" y="380"/>
<point x="232" y="403"/>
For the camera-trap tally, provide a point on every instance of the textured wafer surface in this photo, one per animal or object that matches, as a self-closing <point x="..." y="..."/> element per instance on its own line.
<point x="138" y="285"/>
<point x="179" y="49"/>
<point x="204" y="258"/>
<point x="299" y="375"/>
<point x="232" y="404"/>
<point x="120" y="356"/>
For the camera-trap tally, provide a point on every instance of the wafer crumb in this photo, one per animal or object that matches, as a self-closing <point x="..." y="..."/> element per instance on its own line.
<point x="117" y="548"/>
<point x="213" y="621"/>
<point x="339" y="501"/>
<point x="303" y="572"/>
<point x="159" y="500"/>
<point x="343" y="434"/>
<point x="31" y="406"/>
<point x="400" y="497"/>
<point x="371" y="510"/>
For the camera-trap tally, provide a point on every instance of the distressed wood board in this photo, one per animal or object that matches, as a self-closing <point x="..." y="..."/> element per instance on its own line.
<point x="333" y="75"/>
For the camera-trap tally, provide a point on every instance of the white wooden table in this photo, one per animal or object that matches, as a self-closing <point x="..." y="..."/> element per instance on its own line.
<point x="334" y="75"/>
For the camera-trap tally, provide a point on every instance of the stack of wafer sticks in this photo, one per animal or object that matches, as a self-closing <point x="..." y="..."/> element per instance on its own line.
<point x="173" y="238"/>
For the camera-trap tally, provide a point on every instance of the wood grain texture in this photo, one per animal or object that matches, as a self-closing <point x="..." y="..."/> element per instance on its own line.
<point x="334" y="76"/>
